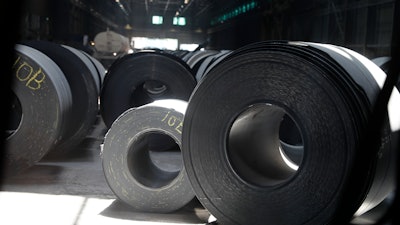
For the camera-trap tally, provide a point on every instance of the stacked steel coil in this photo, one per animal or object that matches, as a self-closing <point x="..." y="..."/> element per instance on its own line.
<point x="55" y="102"/>
<point x="142" y="103"/>
<point x="270" y="132"/>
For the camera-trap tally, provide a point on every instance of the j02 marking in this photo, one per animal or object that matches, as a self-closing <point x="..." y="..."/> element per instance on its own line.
<point x="173" y="121"/>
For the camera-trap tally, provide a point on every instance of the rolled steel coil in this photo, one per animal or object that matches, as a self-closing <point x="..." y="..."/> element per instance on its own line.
<point x="41" y="103"/>
<point x="232" y="137"/>
<point x="83" y="89"/>
<point x="148" y="178"/>
<point x="195" y="59"/>
<point x="209" y="62"/>
<point x="142" y="77"/>
<point x="93" y="67"/>
<point x="101" y="70"/>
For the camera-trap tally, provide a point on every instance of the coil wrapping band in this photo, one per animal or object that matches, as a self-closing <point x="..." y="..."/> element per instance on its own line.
<point x="231" y="140"/>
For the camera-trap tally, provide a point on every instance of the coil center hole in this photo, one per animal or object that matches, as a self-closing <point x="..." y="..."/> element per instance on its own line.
<point x="15" y="115"/>
<point x="265" y="146"/>
<point x="154" y="87"/>
<point x="155" y="159"/>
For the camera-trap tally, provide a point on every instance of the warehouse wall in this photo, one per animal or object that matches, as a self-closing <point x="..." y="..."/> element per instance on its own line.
<point x="362" y="25"/>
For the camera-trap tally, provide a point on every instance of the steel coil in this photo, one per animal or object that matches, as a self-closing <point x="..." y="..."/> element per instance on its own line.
<point x="41" y="103"/>
<point x="233" y="134"/>
<point x="141" y="78"/>
<point x="148" y="179"/>
<point x="83" y="89"/>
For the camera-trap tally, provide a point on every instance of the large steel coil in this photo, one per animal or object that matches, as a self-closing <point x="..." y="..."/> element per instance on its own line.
<point x="142" y="77"/>
<point x="83" y="89"/>
<point x="146" y="177"/>
<point x="209" y="62"/>
<point x="194" y="59"/>
<point x="101" y="70"/>
<point x="235" y="139"/>
<point x="90" y="64"/>
<point x="42" y="100"/>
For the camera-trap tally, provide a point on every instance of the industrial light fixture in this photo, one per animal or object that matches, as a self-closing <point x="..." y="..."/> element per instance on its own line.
<point x="157" y="20"/>
<point x="234" y="12"/>
<point x="128" y="26"/>
<point x="180" y="21"/>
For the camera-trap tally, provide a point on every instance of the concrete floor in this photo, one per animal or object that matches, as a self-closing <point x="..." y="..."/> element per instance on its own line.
<point x="72" y="190"/>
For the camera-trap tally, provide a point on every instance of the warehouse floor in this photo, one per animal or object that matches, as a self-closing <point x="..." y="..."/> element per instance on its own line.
<point x="71" y="190"/>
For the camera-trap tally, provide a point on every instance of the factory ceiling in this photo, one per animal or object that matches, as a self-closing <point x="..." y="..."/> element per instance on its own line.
<point x="119" y="14"/>
<point x="199" y="12"/>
